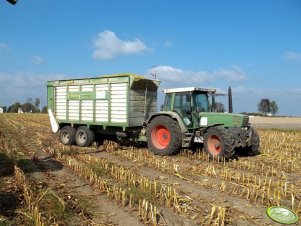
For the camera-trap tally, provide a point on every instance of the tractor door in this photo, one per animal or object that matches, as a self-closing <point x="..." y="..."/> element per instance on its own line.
<point x="200" y="103"/>
<point x="182" y="106"/>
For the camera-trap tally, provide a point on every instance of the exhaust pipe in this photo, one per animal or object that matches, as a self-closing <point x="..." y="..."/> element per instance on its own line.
<point x="230" y="99"/>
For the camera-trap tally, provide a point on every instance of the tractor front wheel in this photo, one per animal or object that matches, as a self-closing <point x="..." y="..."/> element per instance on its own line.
<point x="164" y="136"/>
<point x="218" y="143"/>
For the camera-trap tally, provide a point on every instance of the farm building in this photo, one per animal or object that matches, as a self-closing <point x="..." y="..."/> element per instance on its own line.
<point x="1" y="110"/>
<point x="20" y="111"/>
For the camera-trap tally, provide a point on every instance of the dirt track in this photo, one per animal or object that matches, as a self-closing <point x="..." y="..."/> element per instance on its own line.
<point x="286" y="123"/>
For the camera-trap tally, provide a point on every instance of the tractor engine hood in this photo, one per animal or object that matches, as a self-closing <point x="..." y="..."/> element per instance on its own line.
<point x="227" y="119"/>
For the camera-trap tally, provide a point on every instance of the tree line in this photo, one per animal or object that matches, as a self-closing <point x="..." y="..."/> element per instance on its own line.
<point x="29" y="106"/>
<point x="265" y="106"/>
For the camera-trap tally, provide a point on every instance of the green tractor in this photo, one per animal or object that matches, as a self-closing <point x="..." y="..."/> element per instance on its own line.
<point x="189" y="119"/>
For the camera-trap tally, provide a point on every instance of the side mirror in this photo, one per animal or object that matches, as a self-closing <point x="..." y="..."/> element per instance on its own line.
<point x="13" y="2"/>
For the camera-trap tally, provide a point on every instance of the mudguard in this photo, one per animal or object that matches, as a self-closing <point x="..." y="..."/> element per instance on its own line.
<point x="54" y="124"/>
<point x="173" y="115"/>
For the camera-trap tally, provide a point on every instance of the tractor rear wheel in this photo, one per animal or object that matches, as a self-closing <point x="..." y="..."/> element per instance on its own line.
<point x="67" y="135"/>
<point x="253" y="148"/>
<point x="218" y="143"/>
<point x="164" y="136"/>
<point x="84" y="137"/>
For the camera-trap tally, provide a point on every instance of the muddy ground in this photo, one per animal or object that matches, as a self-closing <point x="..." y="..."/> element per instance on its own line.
<point x="114" y="185"/>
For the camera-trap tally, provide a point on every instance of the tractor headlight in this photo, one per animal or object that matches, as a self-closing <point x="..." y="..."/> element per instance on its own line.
<point x="204" y="121"/>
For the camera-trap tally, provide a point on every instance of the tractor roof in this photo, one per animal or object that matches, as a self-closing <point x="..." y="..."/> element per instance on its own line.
<point x="189" y="89"/>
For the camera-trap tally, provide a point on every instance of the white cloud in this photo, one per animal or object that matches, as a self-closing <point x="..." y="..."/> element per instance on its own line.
<point x="37" y="60"/>
<point x="234" y="73"/>
<point x="4" y="46"/>
<point x="189" y="77"/>
<point x="107" y="45"/>
<point x="243" y="90"/>
<point x="173" y="75"/>
<point x="20" y="86"/>
<point x="243" y="93"/>
<point x="290" y="55"/>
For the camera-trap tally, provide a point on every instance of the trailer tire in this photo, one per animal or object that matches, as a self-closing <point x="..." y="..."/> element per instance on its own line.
<point x="218" y="143"/>
<point x="84" y="137"/>
<point x="67" y="135"/>
<point x="253" y="148"/>
<point x="164" y="136"/>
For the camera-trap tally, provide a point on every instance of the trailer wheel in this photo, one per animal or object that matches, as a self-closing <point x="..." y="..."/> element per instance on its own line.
<point x="164" y="136"/>
<point x="67" y="135"/>
<point x="84" y="137"/>
<point x="253" y="148"/>
<point x="218" y="143"/>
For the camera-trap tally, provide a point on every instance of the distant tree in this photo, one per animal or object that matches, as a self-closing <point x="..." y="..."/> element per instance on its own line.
<point x="37" y="103"/>
<point x="273" y="107"/>
<point x="266" y="106"/>
<point x="219" y="107"/>
<point x="44" y="110"/>
<point x="14" y="108"/>
<point x="29" y="101"/>
<point x="27" y="107"/>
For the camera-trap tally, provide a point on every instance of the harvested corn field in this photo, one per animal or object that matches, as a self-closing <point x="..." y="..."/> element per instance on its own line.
<point x="45" y="182"/>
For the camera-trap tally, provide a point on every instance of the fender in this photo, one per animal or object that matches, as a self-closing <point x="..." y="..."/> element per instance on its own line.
<point x="186" y="136"/>
<point x="212" y="125"/>
<point x="54" y="124"/>
<point x="173" y="115"/>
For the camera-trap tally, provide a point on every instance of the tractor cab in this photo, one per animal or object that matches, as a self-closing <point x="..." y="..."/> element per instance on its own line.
<point x="189" y="102"/>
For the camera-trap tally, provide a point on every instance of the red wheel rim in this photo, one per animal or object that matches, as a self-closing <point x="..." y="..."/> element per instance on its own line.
<point x="160" y="136"/>
<point x="214" y="145"/>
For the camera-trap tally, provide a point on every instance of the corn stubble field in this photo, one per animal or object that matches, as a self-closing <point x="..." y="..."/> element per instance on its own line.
<point x="43" y="182"/>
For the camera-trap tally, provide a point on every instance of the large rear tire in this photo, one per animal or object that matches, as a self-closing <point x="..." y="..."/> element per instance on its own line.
<point x="84" y="137"/>
<point x="218" y="143"/>
<point x="164" y="136"/>
<point x="67" y="135"/>
<point x="253" y="148"/>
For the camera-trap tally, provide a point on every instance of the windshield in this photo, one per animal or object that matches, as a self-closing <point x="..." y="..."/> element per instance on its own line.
<point x="201" y="102"/>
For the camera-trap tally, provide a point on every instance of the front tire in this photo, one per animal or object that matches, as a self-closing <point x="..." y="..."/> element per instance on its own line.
<point x="84" y="137"/>
<point x="218" y="143"/>
<point x="164" y="136"/>
<point x="67" y="135"/>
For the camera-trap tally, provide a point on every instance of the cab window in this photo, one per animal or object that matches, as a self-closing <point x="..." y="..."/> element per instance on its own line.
<point x="182" y="103"/>
<point x="167" y="102"/>
<point x="201" y="102"/>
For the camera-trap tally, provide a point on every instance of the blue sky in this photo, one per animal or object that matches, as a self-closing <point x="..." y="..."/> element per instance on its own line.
<point x="253" y="46"/>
